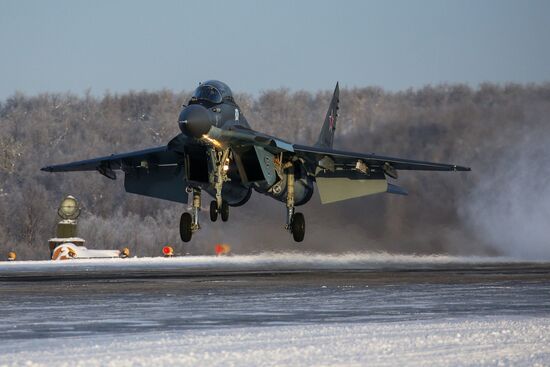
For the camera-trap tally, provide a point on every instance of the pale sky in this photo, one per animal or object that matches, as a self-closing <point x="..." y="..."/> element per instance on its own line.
<point x="74" y="45"/>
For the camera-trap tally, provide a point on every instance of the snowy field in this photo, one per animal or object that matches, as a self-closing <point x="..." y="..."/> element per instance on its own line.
<point x="321" y="310"/>
<point x="491" y="342"/>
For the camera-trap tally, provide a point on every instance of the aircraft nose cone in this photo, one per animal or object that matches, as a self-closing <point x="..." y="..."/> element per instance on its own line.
<point x="194" y="121"/>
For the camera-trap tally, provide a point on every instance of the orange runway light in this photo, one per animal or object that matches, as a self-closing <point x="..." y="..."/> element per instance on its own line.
<point x="167" y="251"/>
<point x="12" y="256"/>
<point x="125" y="252"/>
<point x="222" y="249"/>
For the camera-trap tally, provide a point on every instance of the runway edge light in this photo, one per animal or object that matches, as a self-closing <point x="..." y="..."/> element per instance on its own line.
<point x="125" y="253"/>
<point x="222" y="249"/>
<point x="168" y="251"/>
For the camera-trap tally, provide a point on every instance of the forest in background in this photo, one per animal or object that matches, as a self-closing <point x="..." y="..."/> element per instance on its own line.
<point x="502" y="207"/>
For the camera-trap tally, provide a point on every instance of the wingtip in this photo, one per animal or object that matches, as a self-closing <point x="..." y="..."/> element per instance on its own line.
<point x="462" y="169"/>
<point x="46" y="169"/>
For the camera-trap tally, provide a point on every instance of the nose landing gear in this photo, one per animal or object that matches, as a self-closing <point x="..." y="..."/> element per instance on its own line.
<point x="221" y="159"/>
<point x="223" y="210"/>
<point x="213" y="211"/>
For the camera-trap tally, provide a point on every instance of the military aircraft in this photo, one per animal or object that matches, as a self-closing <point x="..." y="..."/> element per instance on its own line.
<point x="218" y="152"/>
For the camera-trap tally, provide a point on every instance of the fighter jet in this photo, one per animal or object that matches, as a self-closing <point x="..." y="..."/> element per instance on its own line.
<point x="217" y="152"/>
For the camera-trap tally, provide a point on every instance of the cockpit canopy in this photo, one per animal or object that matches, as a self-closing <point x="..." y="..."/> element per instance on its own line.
<point x="213" y="91"/>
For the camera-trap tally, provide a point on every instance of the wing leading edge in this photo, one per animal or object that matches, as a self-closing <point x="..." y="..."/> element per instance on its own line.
<point x="340" y="157"/>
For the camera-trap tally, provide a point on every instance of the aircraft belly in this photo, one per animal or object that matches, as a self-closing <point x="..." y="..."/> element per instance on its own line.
<point x="234" y="194"/>
<point x="335" y="189"/>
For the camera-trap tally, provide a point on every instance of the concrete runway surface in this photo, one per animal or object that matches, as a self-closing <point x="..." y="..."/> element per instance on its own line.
<point x="94" y="301"/>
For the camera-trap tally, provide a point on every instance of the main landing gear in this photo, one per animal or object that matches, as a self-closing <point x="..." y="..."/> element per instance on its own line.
<point x="295" y="222"/>
<point x="189" y="222"/>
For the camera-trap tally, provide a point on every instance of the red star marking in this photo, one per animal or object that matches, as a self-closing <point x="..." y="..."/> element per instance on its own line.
<point x="331" y="121"/>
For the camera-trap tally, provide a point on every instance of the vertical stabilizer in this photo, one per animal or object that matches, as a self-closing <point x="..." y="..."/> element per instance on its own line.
<point x="327" y="132"/>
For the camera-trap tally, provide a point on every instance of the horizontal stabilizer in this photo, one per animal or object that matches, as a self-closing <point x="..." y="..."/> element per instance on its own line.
<point x="394" y="189"/>
<point x="333" y="189"/>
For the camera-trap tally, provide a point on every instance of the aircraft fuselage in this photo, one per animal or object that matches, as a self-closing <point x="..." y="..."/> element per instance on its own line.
<point x="196" y="120"/>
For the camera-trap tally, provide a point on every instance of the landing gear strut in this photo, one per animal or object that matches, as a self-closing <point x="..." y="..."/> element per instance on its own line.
<point x="295" y="222"/>
<point x="189" y="222"/>
<point x="220" y="158"/>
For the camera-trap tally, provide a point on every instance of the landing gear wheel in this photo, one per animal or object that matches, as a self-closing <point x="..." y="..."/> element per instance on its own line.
<point x="213" y="211"/>
<point x="225" y="211"/>
<point x="298" y="227"/>
<point x="186" y="222"/>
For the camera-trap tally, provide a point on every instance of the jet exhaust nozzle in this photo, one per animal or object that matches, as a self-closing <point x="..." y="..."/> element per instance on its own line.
<point x="195" y="121"/>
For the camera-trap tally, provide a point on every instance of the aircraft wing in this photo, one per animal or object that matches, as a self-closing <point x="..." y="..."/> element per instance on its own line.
<point x="156" y="172"/>
<point x="110" y="162"/>
<point x="342" y="175"/>
<point x="343" y="158"/>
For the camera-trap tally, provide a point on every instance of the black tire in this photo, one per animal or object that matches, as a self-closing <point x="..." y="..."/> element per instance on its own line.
<point x="298" y="226"/>
<point x="186" y="222"/>
<point x="213" y="211"/>
<point x="225" y="211"/>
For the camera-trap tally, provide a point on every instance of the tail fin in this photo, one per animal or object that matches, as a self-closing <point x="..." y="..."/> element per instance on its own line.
<point x="327" y="132"/>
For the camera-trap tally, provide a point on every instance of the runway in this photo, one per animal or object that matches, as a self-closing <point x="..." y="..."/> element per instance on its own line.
<point x="377" y="295"/>
<point x="261" y="264"/>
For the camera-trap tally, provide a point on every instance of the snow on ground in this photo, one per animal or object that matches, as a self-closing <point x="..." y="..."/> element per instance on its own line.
<point x="493" y="341"/>
<point x="262" y="261"/>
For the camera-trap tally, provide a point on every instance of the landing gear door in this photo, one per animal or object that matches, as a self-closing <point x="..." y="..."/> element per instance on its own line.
<point x="255" y="164"/>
